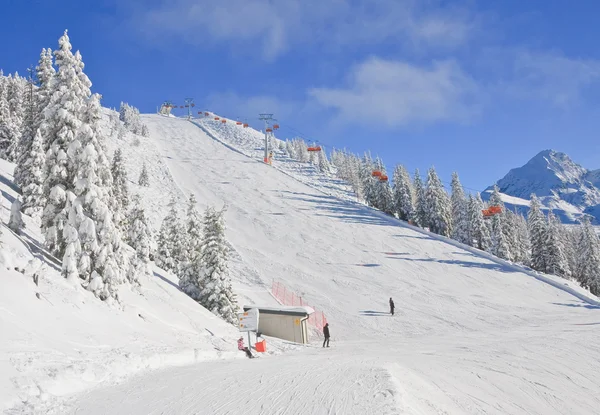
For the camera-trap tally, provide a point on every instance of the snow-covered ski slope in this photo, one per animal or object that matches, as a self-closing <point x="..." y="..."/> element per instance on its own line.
<point x="57" y="339"/>
<point x="470" y="335"/>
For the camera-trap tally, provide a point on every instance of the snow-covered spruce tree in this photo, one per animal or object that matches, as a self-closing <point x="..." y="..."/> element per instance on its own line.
<point x="210" y="284"/>
<point x="571" y="238"/>
<point x="61" y="123"/>
<point x="477" y="228"/>
<point x="499" y="242"/>
<point x="301" y="150"/>
<point x="144" y="179"/>
<point x="120" y="193"/>
<point x="6" y="125"/>
<point x="537" y="233"/>
<point x="33" y="192"/>
<point x="460" y="214"/>
<point x="556" y="259"/>
<point x="368" y="182"/>
<point x="193" y="228"/>
<point x="439" y="208"/>
<point x="289" y="149"/>
<point x="16" y="223"/>
<point x="522" y="245"/>
<point x="145" y="132"/>
<point x="103" y="264"/>
<point x="420" y="213"/>
<point x="140" y="238"/>
<point x="403" y="194"/>
<point x="171" y="242"/>
<point x="27" y="134"/>
<point x="587" y="270"/>
<point x="322" y="162"/>
<point x="16" y="95"/>
<point x="501" y="231"/>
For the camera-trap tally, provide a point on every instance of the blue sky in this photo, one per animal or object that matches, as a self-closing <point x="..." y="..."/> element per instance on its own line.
<point x="472" y="86"/>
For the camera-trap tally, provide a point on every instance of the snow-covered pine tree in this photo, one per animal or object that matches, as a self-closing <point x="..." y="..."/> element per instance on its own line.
<point x="6" y="126"/>
<point x="368" y="182"/>
<point x="193" y="228"/>
<point x="144" y="179"/>
<point x="45" y="78"/>
<point x="144" y="131"/>
<point x="289" y="149"/>
<point x="587" y="270"/>
<point x="556" y="260"/>
<point x="537" y="233"/>
<point x="522" y="244"/>
<point x="460" y="214"/>
<point x="171" y="241"/>
<point x="16" y="223"/>
<point x="571" y="238"/>
<point x="439" y="208"/>
<point x="27" y="135"/>
<point x="105" y="264"/>
<point x="120" y="193"/>
<point x="322" y="162"/>
<point x="33" y="192"/>
<point x="478" y="230"/>
<point x="62" y="121"/>
<point x="301" y="150"/>
<point x="210" y="284"/>
<point x="16" y="95"/>
<point x="420" y="213"/>
<point x="140" y="239"/>
<point x="403" y="194"/>
<point x="501" y="232"/>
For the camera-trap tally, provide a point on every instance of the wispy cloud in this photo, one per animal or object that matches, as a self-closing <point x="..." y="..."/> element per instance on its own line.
<point x="396" y="93"/>
<point x="277" y="26"/>
<point x="553" y="77"/>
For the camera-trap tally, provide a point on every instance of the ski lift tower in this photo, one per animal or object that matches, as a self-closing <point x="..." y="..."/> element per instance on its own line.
<point x="266" y="118"/>
<point x="189" y="104"/>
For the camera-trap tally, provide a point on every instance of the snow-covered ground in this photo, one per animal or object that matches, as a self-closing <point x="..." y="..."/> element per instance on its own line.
<point x="470" y="335"/>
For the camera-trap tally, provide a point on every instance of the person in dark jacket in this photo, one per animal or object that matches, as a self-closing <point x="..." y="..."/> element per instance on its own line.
<point x="391" y="306"/>
<point x="326" y="334"/>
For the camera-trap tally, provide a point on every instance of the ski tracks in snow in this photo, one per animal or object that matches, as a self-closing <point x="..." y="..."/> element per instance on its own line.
<point x="326" y="383"/>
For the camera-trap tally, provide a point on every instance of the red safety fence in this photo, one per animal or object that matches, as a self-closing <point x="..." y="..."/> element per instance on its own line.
<point x="287" y="297"/>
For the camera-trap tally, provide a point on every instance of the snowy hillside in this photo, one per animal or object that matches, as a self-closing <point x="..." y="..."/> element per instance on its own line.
<point x="562" y="185"/>
<point x="471" y="334"/>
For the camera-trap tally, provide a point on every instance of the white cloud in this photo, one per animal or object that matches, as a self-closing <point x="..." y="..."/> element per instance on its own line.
<point x="395" y="93"/>
<point x="553" y="77"/>
<point x="277" y="26"/>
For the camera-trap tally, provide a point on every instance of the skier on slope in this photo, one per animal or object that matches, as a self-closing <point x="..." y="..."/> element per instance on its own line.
<point x="391" y="306"/>
<point x="326" y="334"/>
<point x="243" y="348"/>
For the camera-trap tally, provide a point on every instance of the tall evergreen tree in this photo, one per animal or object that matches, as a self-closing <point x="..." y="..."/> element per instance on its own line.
<point x="460" y="214"/>
<point x="404" y="198"/>
<point x="210" y="283"/>
<point x="556" y="260"/>
<point x="6" y="125"/>
<point x="537" y="233"/>
<point x="140" y="237"/>
<point x="322" y="162"/>
<point x="171" y="243"/>
<point x="522" y="243"/>
<point x="478" y="230"/>
<point x="62" y="121"/>
<point x="33" y="192"/>
<point x="21" y="176"/>
<point x="193" y="228"/>
<point x="587" y="270"/>
<point x="16" y="95"/>
<point x="120" y="193"/>
<point x="437" y="202"/>
<point x="420" y="213"/>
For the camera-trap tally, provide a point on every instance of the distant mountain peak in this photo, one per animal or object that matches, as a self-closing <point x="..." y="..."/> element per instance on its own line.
<point x="556" y="179"/>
